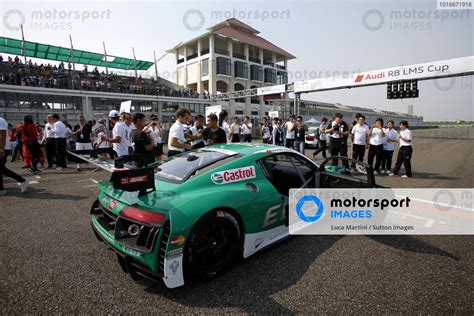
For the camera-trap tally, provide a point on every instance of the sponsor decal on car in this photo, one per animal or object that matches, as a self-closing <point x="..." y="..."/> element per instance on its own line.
<point x="278" y="149"/>
<point x="174" y="266"/>
<point x="109" y="239"/>
<point x="174" y="253"/>
<point x="105" y="200"/>
<point x="103" y="235"/>
<point x="137" y="179"/>
<point x="233" y="175"/>
<point x="178" y="240"/>
<point x="132" y="252"/>
<point x="112" y="205"/>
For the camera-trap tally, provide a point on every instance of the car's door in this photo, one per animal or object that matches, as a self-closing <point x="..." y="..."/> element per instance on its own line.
<point x="287" y="171"/>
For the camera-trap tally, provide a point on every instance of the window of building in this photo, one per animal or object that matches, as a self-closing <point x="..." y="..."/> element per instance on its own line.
<point x="205" y="67"/>
<point x="223" y="66"/>
<point x="241" y="70"/>
<point x="256" y="73"/>
<point x="282" y="77"/>
<point x="270" y="75"/>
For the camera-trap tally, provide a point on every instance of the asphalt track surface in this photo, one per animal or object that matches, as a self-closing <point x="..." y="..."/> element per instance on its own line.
<point x="51" y="262"/>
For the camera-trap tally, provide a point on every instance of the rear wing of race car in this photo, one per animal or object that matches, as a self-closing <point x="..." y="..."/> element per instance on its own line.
<point x="129" y="173"/>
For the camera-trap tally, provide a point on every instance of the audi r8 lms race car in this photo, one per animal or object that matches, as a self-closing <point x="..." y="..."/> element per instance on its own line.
<point x="195" y="213"/>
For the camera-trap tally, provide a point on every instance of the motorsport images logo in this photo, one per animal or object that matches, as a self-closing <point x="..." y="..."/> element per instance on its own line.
<point x="315" y="202"/>
<point x="381" y="211"/>
<point x="346" y="208"/>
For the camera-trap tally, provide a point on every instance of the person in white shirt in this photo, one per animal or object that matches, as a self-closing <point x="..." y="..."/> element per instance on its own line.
<point x="49" y="141"/>
<point x="4" y="151"/>
<point x="156" y="133"/>
<point x="68" y="135"/>
<point x="235" y="128"/>
<point x="376" y="135"/>
<point x="197" y="129"/>
<point x="99" y="131"/>
<point x="266" y="131"/>
<point x="225" y="125"/>
<point x="246" y="130"/>
<point x="322" y="138"/>
<point x="290" y="131"/>
<point x="176" y="140"/>
<point x="360" y="139"/>
<point x="388" y="147"/>
<point x="126" y="119"/>
<point x="120" y="139"/>
<point x="405" y="151"/>
<point x="60" y="134"/>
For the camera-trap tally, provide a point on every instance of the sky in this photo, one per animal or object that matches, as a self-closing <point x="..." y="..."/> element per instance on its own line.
<point x="327" y="37"/>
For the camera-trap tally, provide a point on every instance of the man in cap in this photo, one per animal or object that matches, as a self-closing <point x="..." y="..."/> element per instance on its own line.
<point x="120" y="135"/>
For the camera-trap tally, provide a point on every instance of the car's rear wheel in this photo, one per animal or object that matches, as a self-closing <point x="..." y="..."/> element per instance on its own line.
<point x="212" y="245"/>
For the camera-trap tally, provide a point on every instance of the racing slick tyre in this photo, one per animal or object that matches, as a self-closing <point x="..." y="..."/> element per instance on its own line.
<point x="213" y="244"/>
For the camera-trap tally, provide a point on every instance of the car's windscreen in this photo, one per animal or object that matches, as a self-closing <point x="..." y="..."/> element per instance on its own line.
<point x="179" y="168"/>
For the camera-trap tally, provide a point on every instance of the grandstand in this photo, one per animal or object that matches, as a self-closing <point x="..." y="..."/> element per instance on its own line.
<point x="57" y="76"/>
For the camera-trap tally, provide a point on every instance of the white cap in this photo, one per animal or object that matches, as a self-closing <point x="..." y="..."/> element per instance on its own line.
<point x="114" y="113"/>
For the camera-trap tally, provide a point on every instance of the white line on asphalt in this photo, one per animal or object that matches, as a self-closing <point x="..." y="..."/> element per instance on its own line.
<point x="441" y="204"/>
<point x="429" y="221"/>
<point x="88" y="186"/>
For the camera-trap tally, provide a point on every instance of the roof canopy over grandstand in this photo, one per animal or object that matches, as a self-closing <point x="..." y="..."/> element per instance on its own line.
<point x="57" y="53"/>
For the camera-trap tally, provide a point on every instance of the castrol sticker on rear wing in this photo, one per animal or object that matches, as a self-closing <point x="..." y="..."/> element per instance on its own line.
<point x="233" y="175"/>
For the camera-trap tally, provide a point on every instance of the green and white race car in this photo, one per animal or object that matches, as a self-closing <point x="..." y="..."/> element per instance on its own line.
<point x="197" y="212"/>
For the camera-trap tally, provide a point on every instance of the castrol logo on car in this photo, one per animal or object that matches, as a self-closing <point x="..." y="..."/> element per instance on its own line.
<point x="233" y="175"/>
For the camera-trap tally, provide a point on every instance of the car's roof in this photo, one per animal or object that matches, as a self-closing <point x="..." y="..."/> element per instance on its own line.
<point x="246" y="149"/>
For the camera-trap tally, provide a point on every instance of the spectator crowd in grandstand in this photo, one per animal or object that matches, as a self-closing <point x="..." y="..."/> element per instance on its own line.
<point x="14" y="72"/>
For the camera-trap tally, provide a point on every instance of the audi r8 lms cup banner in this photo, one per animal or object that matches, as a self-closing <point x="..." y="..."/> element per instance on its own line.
<point x="381" y="211"/>
<point x="425" y="71"/>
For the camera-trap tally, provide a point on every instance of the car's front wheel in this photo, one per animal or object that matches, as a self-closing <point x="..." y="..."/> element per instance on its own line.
<point x="212" y="245"/>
